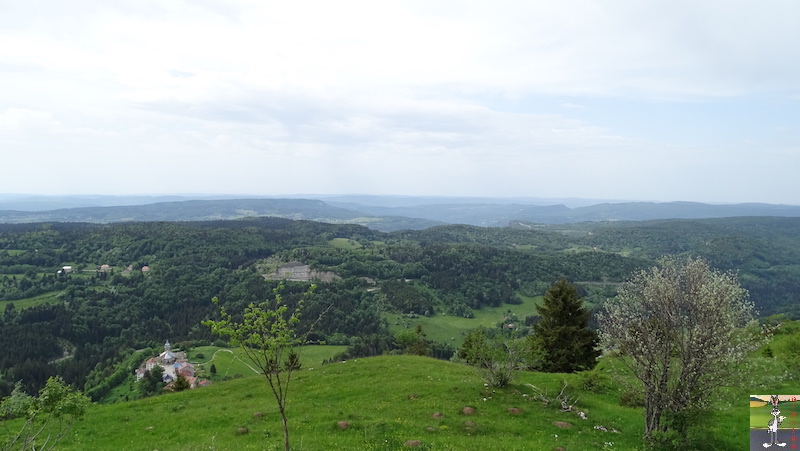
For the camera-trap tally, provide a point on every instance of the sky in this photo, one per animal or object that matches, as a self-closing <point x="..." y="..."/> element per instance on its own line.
<point x="613" y="99"/>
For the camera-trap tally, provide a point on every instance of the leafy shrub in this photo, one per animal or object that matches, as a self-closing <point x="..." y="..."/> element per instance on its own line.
<point x="631" y="398"/>
<point x="594" y="381"/>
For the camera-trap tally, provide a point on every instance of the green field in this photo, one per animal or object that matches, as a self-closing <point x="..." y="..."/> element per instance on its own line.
<point x="344" y="243"/>
<point x="385" y="401"/>
<point x="451" y="329"/>
<point x="229" y="363"/>
<point x="45" y="298"/>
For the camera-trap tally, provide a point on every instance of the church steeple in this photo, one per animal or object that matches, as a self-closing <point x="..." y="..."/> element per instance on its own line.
<point x="167" y="356"/>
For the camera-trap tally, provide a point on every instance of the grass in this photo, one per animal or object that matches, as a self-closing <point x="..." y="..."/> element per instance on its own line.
<point x="451" y="329"/>
<point x="50" y="297"/>
<point x="229" y="363"/>
<point x="384" y="400"/>
<point x="344" y="243"/>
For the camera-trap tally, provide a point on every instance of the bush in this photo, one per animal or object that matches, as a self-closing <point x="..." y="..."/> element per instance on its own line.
<point x="665" y="441"/>
<point x="496" y="360"/>
<point x="514" y="300"/>
<point x="594" y="381"/>
<point x="631" y="398"/>
<point x="686" y="430"/>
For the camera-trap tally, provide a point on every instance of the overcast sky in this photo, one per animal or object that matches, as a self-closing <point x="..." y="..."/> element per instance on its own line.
<point x="612" y="99"/>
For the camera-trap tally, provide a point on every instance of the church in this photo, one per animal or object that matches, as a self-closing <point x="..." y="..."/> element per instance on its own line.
<point x="174" y="364"/>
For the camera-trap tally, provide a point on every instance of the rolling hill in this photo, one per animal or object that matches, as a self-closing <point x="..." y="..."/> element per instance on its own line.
<point x="384" y="213"/>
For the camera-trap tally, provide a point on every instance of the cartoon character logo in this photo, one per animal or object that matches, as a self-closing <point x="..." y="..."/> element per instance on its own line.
<point x="772" y="425"/>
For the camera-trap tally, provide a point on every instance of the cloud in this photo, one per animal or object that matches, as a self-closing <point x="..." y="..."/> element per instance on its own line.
<point x="16" y="121"/>
<point x="13" y="120"/>
<point x="578" y="47"/>
<point x="417" y="97"/>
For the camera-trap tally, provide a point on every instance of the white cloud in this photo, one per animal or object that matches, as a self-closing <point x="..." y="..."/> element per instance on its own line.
<point x="393" y="96"/>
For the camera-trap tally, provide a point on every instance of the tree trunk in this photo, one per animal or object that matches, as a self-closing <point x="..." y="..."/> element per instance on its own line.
<point x="285" y="429"/>
<point x="652" y="416"/>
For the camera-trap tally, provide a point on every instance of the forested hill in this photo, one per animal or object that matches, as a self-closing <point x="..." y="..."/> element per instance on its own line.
<point x="217" y="209"/>
<point x="382" y="213"/>
<point x="75" y="298"/>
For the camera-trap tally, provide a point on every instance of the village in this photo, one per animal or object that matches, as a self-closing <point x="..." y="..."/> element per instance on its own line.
<point x="174" y="364"/>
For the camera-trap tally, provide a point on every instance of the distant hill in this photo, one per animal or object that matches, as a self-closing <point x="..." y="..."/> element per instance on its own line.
<point x="206" y="210"/>
<point x="499" y="215"/>
<point x="383" y="213"/>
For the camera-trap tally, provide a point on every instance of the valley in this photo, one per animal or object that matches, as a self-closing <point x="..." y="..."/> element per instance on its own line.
<point x="131" y="286"/>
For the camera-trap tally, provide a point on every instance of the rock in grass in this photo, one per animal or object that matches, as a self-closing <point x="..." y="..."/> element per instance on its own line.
<point x="468" y="410"/>
<point x="413" y="443"/>
<point x="470" y="426"/>
<point x="343" y="425"/>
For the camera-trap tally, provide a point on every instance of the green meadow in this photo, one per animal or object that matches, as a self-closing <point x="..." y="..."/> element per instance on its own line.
<point x="45" y="298"/>
<point x="344" y="243"/>
<point x="381" y="403"/>
<point x="452" y="329"/>
<point x="228" y="363"/>
<point x="376" y="403"/>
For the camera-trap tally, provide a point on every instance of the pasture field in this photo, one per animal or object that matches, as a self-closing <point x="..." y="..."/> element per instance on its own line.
<point x="229" y="363"/>
<point x="451" y="329"/>
<point x="44" y="298"/>
<point x="379" y="403"/>
<point x="344" y="243"/>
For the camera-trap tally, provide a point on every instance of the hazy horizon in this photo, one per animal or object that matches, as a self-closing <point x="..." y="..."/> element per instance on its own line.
<point x="569" y="201"/>
<point x="643" y="101"/>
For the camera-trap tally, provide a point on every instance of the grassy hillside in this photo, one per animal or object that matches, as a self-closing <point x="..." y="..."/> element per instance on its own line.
<point x="229" y="363"/>
<point x="19" y="304"/>
<point x="452" y="329"/>
<point x="384" y="402"/>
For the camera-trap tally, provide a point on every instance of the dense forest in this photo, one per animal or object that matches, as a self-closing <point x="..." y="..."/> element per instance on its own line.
<point x="78" y="298"/>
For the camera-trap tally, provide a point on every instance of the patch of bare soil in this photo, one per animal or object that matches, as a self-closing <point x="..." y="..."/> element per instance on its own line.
<point x="299" y="272"/>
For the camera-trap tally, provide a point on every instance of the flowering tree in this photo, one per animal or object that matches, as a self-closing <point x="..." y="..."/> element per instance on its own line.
<point x="682" y="329"/>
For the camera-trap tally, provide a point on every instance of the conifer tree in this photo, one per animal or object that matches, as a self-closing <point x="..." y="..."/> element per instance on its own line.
<point x="181" y="383"/>
<point x="563" y="335"/>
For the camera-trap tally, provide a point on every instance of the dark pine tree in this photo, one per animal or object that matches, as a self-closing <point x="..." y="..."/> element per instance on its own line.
<point x="563" y="334"/>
